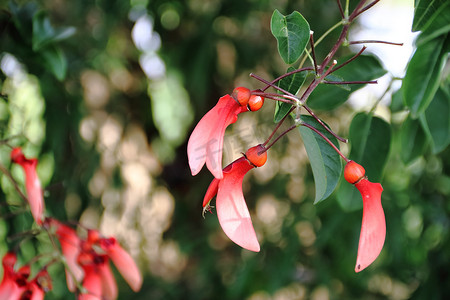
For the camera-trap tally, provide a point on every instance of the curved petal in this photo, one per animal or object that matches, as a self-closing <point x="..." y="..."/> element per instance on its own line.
<point x="92" y="282"/>
<point x="373" y="227"/>
<point x="109" y="285"/>
<point x="70" y="247"/>
<point x="206" y="141"/>
<point x="232" y="210"/>
<point x="123" y="262"/>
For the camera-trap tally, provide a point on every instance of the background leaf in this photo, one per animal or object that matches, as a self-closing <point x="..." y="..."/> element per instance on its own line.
<point x="424" y="10"/>
<point x="44" y="34"/>
<point x="413" y="139"/>
<point x="437" y="24"/>
<point x="291" y="84"/>
<point x="327" y="96"/>
<point x="325" y="161"/>
<point x="370" y="139"/>
<point x="292" y="34"/>
<point x="436" y="122"/>
<point x="423" y="74"/>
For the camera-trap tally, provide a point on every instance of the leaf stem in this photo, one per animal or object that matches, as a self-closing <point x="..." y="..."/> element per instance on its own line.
<point x="272" y="83"/>
<point x="281" y="135"/>
<point x="311" y="41"/>
<point x="340" y="8"/>
<point x="351" y="59"/>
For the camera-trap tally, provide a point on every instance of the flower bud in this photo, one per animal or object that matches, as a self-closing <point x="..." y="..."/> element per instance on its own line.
<point x="255" y="102"/>
<point x="257" y="155"/>
<point x="353" y="172"/>
<point x="241" y="95"/>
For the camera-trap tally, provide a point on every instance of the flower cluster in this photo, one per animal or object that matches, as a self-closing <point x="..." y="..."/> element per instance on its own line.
<point x="205" y="147"/>
<point x="16" y="283"/>
<point x="88" y="272"/>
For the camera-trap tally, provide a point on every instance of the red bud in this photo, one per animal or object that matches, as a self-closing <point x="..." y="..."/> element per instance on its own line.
<point x="353" y="172"/>
<point x="257" y="155"/>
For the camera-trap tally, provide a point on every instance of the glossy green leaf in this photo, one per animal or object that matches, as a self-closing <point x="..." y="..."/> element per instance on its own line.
<point x="325" y="161"/>
<point x="327" y="96"/>
<point x="44" y="34"/>
<point x="437" y="24"/>
<point x="292" y="84"/>
<point x="414" y="140"/>
<point x="55" y="61"/>
<point x="436" y="121"/>
<point x="397" y="101"/>
<point x="292" y="34"/>
<point x="423" y="74"/>
<point x="370" y="140"/>
<point x="423" y="12"/>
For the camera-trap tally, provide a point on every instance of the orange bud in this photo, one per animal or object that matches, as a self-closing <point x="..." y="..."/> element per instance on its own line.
<point x="241" y="95"/>
<point x="255" y="102"/>
<point x="353" y="172"/>
<point x="257" y="155"/>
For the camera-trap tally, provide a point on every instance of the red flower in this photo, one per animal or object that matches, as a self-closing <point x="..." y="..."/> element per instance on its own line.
<point x="32" y="183"/>
<point x="8" y="287"/>
<point x="373" y="227"/>
<point x="123" y="262"/>
<point x="70" y="248"/>
<point x="232" y="211"/>
<point x="206" y="141"/>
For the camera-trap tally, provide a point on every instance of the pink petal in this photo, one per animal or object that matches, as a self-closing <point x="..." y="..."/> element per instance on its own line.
<point x="206" y="141"/>
<point x="232" y="210"/>
<point x="92" y="283"/>
<point x="211" y="192"/>
<point x="70" y="247"/>
<point x="123" y="262"/>
<point x="109" y="285"/>
<point x="373" y="228"/>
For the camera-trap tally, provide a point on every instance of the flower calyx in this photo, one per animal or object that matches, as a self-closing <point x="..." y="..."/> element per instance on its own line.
<point x="244" y="97"/>
<point x="354" y="172"/>
<point x="257" y="155"/>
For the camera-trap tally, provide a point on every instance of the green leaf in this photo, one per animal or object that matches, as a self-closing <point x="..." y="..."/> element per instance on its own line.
<point x="397" y="101"/>
<point x="292" y="34"/>
<point x="370" y="139"/>
<point x="413" y="139"/>
<point x="325" y="161"/>
<point x="422" y="75"/>
<point x="424" y="10"/>
<point x="292" y="84"/>
<point x="44" y="34"/>
<point x="437" y="24"/>
<point x="436" y="121"/>
<point x="328" y="96"/>
<point x="55" y="61"/>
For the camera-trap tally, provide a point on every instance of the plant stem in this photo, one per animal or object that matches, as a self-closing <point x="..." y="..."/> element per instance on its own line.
<point x="326" y="139"/>
<point x="365" y="8"/>
<point x="276" y="97"/>
<point x="272" y="83"/>
<point x="340" y="8"/>
<point x="373" y="42"/>
<point x="351" y="59"/>
<point x="16" y="186"/>
<point x="352" y="82"/>
<point x="281" y="135"/>
<point x="311" y="41"/>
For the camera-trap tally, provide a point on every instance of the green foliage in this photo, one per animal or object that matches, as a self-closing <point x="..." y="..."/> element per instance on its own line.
<point x="325" y="161"/>
<point x="424" y="74"/>
<point x="292" y="34"/>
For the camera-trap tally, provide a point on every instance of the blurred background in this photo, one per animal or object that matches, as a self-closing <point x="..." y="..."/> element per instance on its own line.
<point x="105" y="93"/>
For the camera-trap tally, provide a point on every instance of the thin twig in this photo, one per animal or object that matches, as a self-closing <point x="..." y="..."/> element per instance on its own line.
<point x="351" y="59"/>
<point x="272" y="83"/>
<point x="16" y="186"/>
<point x="351" y="82"/>
<point x="374" y="42"/>
<point x="365" y="8"/>
<point x="280" y="136"/>
<point x="311" y="41"/>
<point x="340" y="9"/>
<point x="355" y="12"/>
<point x="323" y="124"/>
